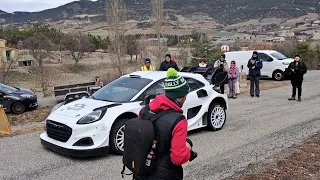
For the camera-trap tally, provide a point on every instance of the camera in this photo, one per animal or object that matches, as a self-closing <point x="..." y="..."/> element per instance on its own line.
<point x="193" y="154"/>
<point x="190" y="142"/>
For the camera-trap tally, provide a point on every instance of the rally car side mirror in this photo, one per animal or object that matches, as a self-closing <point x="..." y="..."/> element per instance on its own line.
<point x="147" y="99"/>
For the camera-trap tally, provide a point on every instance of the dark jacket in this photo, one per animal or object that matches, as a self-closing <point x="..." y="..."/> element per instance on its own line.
<point x="164" y="66"/>
<point x="296" y="71"/>
<point x="171" y="130"/>
<point x="256" y="72"/>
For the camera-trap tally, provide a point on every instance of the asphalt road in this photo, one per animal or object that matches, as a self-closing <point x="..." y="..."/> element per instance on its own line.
<point x="256" y="128"/>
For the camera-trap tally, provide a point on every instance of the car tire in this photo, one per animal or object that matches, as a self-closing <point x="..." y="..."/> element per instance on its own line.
<point x="216" y="117"/>
<point x="278" y="75"/>
<point x="117" y="137"/>
<point x="18" y="108"/>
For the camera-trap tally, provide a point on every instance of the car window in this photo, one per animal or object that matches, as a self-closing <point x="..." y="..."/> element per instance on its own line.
<point x="278" y="56"/>
<point x="7" y="89"/>
<point x="263" y="56"/>
<point x="121" y="90"/>
<point x="192" y="84"/>
<point x="156" y="88"/>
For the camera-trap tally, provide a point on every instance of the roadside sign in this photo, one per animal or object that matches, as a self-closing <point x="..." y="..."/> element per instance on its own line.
<point x="4" y="123"/>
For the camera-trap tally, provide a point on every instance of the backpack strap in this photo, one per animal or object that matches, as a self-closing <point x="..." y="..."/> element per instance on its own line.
<point x="147" y="114"/>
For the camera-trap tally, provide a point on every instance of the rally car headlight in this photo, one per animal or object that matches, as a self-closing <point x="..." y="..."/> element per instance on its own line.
<point x="91" y="118"/>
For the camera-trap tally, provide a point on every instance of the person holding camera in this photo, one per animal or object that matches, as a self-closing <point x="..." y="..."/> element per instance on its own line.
<point x="173" y="147"/>
<point x="297" y="69"/>
<point x="223" y="65"/>
<point x="255" y="65"/>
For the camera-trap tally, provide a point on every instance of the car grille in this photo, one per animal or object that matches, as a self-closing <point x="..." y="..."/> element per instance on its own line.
<point x="58" y="131"/>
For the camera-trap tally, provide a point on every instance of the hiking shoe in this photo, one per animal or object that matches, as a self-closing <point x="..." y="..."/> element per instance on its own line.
<point x="292" y="99"/>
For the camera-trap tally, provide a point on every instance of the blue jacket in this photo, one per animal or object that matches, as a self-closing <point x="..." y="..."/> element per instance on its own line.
<point x="258" y="66"/>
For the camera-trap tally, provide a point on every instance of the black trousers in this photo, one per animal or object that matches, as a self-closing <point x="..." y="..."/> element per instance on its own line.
<point x="254" y="85"/>
<point x="297" y="84"/>
<point x="222" y="89"/>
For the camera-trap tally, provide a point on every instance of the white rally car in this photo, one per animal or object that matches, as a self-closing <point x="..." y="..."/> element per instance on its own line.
<point x="95" y="125"/>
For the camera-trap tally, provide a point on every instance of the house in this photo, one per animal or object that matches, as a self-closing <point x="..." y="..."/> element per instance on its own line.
<point x="286" y="33"/>
<point x="275" y="39"/>
<point x="244" y="48"/>
<point x="224" y="40"/>
<point x="19" y="57"/>
<point x="244" y="37"/>
<point x="302" y="38"/>
<point x="25" y="58"/>
<point x="7" y="54"/>
<point x="225" y="48"/>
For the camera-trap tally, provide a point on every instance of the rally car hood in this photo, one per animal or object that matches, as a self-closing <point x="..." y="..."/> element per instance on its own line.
<point x="80" y="107"/>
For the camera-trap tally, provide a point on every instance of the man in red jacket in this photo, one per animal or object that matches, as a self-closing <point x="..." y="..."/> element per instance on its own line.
<point x="173" y="147"/>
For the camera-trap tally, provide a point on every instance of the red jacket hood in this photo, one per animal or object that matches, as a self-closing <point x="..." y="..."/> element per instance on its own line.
<point x="162" y="103"/>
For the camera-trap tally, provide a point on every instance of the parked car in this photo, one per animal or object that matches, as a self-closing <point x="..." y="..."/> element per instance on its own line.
<point x="17" y="100"/>
<point x="274" y="63"/>
<point x="93" y="126"/>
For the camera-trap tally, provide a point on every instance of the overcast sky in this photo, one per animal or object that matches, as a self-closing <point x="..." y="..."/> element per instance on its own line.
<point x="30" y="5"/>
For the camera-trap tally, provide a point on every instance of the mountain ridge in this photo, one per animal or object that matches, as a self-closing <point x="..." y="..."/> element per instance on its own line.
<point x="224" y="12"/>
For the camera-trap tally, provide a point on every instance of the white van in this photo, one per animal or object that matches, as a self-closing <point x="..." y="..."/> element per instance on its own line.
<point x="274" y="63"/>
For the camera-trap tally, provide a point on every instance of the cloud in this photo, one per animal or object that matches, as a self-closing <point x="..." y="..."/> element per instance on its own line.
<point x="30" y="5"/>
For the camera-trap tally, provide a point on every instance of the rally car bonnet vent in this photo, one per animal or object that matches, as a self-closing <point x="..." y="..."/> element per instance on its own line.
<point x="134" y="76"/>
<point x="84" y="142"/>
<point x="58" y="131"/>
<point x="107" y="106"/>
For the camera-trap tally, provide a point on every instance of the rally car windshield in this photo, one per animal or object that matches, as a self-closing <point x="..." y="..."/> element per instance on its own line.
<point x="121" y="90"/>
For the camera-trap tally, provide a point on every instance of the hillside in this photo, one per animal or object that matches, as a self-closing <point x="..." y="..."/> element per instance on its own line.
<point x="225" y="12"/>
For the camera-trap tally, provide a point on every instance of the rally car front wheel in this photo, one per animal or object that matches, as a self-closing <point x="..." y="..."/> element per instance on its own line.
<point x="117" y="137"/>
<point x="216" y="117"/>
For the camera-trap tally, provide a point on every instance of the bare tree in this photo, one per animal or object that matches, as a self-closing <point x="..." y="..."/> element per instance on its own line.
<point x="6" y="69"/>
<point x="158" y="16"/>
<point x="132" y="46"/>
<point x="116" y="16"/>
<point x="184" y="56"/>
<point x="40" y="47"/>
<point x="77" y="44"/>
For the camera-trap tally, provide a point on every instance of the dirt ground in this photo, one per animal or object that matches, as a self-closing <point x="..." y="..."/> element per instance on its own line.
<point x="37" y="115"/>
<point x="301" y="161"/>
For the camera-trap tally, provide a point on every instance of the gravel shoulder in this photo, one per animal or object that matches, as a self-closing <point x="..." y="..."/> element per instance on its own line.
<point x="256" y="129"/>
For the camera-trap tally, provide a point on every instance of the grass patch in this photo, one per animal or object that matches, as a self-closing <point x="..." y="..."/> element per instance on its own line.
<point x="36" y="115"/>
<point x="264" y="85"/>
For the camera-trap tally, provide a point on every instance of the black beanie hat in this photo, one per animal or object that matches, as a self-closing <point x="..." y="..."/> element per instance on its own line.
<point x="168" y="55"/>
<point x="255" y="52"/>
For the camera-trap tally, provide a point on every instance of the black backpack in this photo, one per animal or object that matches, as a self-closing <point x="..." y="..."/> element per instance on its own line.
<point x="139" y="140"/>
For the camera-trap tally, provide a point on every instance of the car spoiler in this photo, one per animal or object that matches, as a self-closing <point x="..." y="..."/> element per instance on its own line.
<point x="214" y="75"/>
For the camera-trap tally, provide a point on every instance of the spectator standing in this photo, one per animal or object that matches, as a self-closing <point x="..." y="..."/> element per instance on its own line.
<point x="233" y="76"/>
<point x="297" y="69"/>
<point x="168" y="63"/>
<point x="255" y="65"/>
<point x="223" y="65"/>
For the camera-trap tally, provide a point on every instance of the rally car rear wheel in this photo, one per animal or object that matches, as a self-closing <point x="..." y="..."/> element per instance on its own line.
<point x="216" y="117"/>
<point x="117" y="137"/>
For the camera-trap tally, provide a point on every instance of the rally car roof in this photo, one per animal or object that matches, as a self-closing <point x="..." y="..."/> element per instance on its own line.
<point x="157" y="75"/>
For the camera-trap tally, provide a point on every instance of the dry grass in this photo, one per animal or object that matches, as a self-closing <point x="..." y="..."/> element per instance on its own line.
<point x="37" y="115"/>
<point x="264" y="85"/>
<point x="302" y="162"/>
<point x="29" y="117"/>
